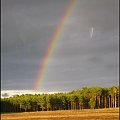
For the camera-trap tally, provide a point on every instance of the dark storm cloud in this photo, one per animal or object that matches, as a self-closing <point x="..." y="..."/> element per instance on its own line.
<point x="78" y="59"/>
<point x="27" y="27"/>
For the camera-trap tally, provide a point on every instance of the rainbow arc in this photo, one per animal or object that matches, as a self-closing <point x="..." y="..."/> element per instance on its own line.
<point x="53" y="42"/>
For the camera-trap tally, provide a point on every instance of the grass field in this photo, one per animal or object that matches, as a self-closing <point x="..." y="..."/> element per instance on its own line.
<point x="97" y="114"/>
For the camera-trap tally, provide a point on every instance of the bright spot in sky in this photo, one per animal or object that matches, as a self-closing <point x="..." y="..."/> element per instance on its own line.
<point x="91" y="32"/>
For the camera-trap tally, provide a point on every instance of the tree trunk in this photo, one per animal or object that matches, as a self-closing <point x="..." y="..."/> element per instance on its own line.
<point x="118" y="100"/>
<point x="79" y="106"/>
<point x="71" y="105"/>
<point x="98" y="101"/>
<point x="109" y="101"/>
<point x="105" y="101"/>
<point x="115" y="100"/>
<point x="74" y="105"/>
<point x="68" y="106"/>
<point x="102" y="102"/>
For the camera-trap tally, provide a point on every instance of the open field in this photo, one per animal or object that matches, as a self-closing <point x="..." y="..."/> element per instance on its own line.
<point x="97" y="114"/>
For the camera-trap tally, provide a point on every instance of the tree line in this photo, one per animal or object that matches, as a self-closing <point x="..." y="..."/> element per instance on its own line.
<point x="85" y="98"/>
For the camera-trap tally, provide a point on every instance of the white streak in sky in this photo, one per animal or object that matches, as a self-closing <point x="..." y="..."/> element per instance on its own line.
<point x="91" y="32"/>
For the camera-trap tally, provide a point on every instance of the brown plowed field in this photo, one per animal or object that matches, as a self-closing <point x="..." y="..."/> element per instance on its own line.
<point x="97" y="114"/>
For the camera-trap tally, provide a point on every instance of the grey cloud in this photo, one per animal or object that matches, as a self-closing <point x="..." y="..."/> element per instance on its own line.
<point x="78" y="60"/>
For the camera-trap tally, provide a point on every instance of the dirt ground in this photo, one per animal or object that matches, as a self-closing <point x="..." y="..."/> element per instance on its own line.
<point x="97" y="114"/>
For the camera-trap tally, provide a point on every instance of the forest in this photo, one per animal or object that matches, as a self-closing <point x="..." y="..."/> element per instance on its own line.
<point x="86" y="98"/>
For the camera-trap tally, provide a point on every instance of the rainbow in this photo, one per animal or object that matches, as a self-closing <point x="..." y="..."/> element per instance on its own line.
<point x="53" y="42"/>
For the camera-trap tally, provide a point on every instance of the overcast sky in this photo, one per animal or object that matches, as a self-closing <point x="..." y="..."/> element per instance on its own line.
<point x="79" y="59"/>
